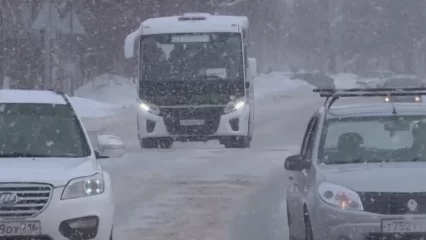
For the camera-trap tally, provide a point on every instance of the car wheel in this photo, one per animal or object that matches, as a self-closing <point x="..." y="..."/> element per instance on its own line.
<point x="238" y="142"/>
<point x="156" y="143"/>
<point x="309" y="235"/>
<point x="165" y="143"/>
<point x="148" y="143"/>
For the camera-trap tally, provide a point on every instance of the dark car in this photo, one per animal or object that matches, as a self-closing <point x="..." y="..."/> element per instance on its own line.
<point x="403" y="82"/>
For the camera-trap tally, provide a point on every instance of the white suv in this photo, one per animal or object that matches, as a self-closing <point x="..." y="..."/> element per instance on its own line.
<point x="52" y="185"/>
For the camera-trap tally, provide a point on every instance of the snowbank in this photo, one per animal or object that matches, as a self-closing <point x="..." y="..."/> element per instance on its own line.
<point x="107" y="94"/>
<point x="87" y="108"/>
<point x="117" y="90"/>
<point x="111" y="89"/>
<point x="345" y="80"/>
<point x="276" y="83"/>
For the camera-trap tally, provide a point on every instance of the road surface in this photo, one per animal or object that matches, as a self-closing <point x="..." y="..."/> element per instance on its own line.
<point x="203" y="191"/>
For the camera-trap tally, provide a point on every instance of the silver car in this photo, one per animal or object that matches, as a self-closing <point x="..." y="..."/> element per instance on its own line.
<point x="360" y="174"/>
<point x="373" y="79"/>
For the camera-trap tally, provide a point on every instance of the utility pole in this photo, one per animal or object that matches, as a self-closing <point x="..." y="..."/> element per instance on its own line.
<point x="74" y="50"/>
<point x="2" y="44"/>
<point x="48" y="41"/>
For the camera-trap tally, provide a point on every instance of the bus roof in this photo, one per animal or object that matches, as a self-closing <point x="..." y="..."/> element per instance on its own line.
<point x="194" y="23"/>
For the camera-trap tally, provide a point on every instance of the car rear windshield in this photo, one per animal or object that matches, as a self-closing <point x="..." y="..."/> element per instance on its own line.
<point x="373" y="139"/>
<point x="40" y="130"/>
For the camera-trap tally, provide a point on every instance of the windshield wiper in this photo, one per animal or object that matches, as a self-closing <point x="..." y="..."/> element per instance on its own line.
<point x="344" y="162"/>
<point x="212" y="77"/>
<point x="359" y="160"/>
<point x="22" y="155"/>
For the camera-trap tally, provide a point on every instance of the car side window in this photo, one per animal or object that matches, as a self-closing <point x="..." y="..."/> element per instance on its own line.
<point x="306" y="136"/>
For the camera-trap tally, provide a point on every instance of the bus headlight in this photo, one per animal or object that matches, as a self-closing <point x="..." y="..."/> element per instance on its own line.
<point x="417" y="99"/>
<point x="234" y="105"/>
<point x="151" y="108"/>
<point x="387" y="99"/>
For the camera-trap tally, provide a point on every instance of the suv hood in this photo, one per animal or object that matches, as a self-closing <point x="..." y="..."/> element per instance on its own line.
<point x="377" y="177"/>
<point x="56" y="171"/>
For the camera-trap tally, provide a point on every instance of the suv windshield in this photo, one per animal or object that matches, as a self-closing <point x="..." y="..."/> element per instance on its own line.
<point x="372" y="139"/>
<point x="191" y="56"/>
<point x="40" y="130"/>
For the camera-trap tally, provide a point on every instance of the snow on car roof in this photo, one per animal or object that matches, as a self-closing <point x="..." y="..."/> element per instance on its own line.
<point x="376" y="109"/>
<point x="185" y="24"/>
<point x="30" y="96"/>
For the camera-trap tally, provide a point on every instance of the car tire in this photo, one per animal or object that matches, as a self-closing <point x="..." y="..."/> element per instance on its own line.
<point x="165" y="143"/>
<point x="148" y="143"/>
<point x="156" y="143"/>
<point x="238" y="142"/>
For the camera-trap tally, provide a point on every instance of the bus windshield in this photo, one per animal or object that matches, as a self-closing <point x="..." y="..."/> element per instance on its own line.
<point x="186" y="57"/>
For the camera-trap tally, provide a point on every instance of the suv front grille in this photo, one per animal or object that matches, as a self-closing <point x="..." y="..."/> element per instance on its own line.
<point x="31" y="199"/>
<point x="393" y="203"/>
<point x="210" y="115"/>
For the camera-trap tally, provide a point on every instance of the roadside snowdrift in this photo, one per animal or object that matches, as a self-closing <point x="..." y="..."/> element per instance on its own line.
<point x="87" y="108"/>
<point x="345" y="80"/>
<point x="119" y="91"/>
<point x="111" y="89"/>
<point x="276" y="83"/>
<point x="107" y="94"/>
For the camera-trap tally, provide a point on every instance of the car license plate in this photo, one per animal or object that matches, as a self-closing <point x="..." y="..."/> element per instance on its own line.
<point x="29" y="228"/>
<point x="404" y="225"/>
<point x="192" y="122"/>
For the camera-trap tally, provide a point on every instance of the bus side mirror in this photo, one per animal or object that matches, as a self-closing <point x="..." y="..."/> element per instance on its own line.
<point x="252" y="67"/>
<point x="247" y="84"/>
<point x="129" y="43"/>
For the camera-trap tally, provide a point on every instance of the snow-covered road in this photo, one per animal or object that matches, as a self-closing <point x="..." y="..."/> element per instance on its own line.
<point x="202" y="190"/>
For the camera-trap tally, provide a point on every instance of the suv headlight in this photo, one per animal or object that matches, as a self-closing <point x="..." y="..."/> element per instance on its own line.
<point x="340" y="197"/>
<point x="148" y="107"/>
<point x="84" y="187"/>
<point x="234" y="105"/>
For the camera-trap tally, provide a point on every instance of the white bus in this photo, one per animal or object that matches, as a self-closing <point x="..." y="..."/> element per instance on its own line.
<point x="195" y="81"/>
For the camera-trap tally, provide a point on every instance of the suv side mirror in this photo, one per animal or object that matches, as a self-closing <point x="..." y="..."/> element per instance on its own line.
<point x="130" y="42"/>
<point x="295" y="163"/>
<point x="110" y="147"/>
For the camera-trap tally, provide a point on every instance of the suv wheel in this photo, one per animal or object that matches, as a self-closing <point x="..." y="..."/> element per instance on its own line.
<point x="238" y="142"/>
<point x="156" y="143"/>
<point x="165" y="143"/>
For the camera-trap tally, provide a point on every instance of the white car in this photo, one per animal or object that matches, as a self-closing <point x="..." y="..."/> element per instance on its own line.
<point x="52" y="186"/>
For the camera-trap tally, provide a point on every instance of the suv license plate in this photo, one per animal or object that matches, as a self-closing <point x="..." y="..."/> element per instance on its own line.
<point x="192" y="122"/>
<point x="29" y="228"/>
<point x="404" y="225"/>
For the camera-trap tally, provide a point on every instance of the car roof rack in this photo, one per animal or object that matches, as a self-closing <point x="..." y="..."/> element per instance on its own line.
<point x="332" y="94"/>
